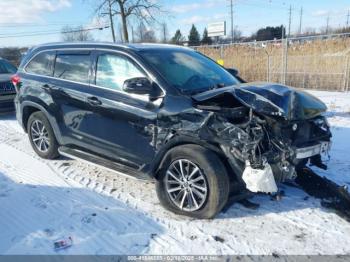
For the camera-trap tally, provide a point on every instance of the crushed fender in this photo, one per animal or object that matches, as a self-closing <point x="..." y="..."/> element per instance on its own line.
<point x="332" y="195"/>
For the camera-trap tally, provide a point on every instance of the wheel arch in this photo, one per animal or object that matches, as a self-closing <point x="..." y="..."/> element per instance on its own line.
<point x="178" y="141"/>
<point x="28" y="108"/>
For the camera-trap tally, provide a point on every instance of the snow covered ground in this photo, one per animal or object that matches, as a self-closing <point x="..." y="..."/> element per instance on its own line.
<point x="42" y="201"/>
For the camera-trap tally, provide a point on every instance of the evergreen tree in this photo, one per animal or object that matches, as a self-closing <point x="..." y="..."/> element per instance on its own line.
<point x="194" y="37"/>
<point x="270" y="33"/>
<point x="206" y="40"/>
<point x="177" y="38"/>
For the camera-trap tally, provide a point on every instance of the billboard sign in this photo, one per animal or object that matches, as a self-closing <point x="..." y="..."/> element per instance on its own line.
<point x="217" y="29"/>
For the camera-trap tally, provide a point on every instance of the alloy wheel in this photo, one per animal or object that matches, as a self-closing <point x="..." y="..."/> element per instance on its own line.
<point x="186" y="185"/>
<point x="40" y="136"/>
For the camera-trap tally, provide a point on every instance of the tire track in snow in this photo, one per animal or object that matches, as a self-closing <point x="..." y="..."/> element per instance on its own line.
<point x="91" y="177"/>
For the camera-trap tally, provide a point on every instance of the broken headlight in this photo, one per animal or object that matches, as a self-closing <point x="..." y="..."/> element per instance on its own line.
<point x="322" y="122"/>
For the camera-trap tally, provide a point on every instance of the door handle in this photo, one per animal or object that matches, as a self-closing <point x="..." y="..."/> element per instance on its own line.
<point x="93" y="100"/>
<point x="48" y="87"/>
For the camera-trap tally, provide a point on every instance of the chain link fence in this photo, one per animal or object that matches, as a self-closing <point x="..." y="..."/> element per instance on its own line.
<point x="317" y="62"/>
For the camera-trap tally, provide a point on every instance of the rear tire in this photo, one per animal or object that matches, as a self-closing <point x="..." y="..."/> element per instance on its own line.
<point x="41" y="136"/>
<point x="206" y="191"/>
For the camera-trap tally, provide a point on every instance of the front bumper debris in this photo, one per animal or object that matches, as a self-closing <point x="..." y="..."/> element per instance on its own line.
<point x="332" y="196"/>
<point x="314" y="150"/>
<point x="259" y="180"/>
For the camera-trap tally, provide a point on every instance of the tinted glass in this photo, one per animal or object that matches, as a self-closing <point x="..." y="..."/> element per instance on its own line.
<point x="113" y="70"/>
<point x="41" y="64"/>
<point x="7" y="68"/>
<point x="189" y="71"/>
<point x="74" y="67"/>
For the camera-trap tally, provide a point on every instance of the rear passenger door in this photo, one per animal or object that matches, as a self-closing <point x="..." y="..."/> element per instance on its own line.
<point x="69" y="89"/>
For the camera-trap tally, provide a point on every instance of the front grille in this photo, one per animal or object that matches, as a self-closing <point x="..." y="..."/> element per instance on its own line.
<point x="7" y="88"/>
<point x="307" y="133"/>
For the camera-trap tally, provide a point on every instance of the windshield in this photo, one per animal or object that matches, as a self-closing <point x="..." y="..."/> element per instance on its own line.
<point x="189" y="71"/>
<point x="7" y="68"/>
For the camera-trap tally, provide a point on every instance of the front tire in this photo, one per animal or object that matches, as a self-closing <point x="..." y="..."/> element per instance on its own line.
<point x="41" y="136"/>
<point x="193" y="182"/>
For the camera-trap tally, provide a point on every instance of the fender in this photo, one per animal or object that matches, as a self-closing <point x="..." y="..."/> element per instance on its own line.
<point x="179" y="140"/>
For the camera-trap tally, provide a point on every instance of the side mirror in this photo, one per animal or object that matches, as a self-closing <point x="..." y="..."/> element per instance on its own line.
<point x="138" y="85"/>
<point x="232" y="71"/>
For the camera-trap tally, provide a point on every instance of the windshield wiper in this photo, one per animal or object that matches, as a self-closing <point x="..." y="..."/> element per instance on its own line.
<point x="218" y="85"/>
<point x="200" y="90"/>
<point x="194" y="91"/>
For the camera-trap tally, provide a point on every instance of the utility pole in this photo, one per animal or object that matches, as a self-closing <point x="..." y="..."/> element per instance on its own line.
<point x="111" y="19"/>
<point x="290" y="20"/>
<point x="347" y="18"/>
<point x="327" y="27"/>
<point x="301" y="20"/>
<point x="232" y="33"/>
<point x="165" y="31"/>
<point x="285" y="49"/>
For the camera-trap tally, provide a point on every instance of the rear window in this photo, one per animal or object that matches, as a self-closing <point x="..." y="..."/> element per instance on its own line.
<point x="41" y="64"/>
<point x="74" y="67"/>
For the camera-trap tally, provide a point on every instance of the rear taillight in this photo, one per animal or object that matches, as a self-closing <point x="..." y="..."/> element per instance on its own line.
<point x="16" y="81"/>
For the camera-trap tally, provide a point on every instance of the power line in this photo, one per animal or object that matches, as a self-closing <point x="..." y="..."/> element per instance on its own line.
<point x="53" y="32"/>
<point x="270" y="5"/>
<point x="49" y="31"/>
<point x="46" y="31"/>
<point x="347" y="18"/>
<point x="19" y="25"/>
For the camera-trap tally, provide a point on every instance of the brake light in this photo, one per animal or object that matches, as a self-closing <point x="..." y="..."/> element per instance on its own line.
<point x="16" y="80"/>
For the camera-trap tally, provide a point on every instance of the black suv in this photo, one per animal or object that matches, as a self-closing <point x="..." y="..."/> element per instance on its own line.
<point x="7" y="89"/>
<point x="168" y="114"/>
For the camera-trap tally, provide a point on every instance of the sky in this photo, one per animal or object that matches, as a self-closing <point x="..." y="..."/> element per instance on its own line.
<point x="21" y="19"/>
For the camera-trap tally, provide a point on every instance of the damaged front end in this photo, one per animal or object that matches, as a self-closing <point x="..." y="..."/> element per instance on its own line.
<point x="267" y="132"/>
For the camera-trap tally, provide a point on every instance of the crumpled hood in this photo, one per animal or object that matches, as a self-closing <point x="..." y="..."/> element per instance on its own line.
<point x="271" y="99"/>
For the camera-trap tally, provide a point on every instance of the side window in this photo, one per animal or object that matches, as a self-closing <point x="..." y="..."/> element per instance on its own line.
<point x="74" y="67"/>
<point x="41" y="64"/>
<point x="113" y="70"/>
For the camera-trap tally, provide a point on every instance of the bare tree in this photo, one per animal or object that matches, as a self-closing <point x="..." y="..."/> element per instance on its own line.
<point x="105" y="8"/>
<point x="140" y="32"/>
<point x="13" y="54"/>
<point x="149" y="36"/>
<point x="142" y="10"/>
<point x="309" y="31"/>
<point x="74" y="34"/>
<point x="237" y="34"/>
<point x="121" y="38"/>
